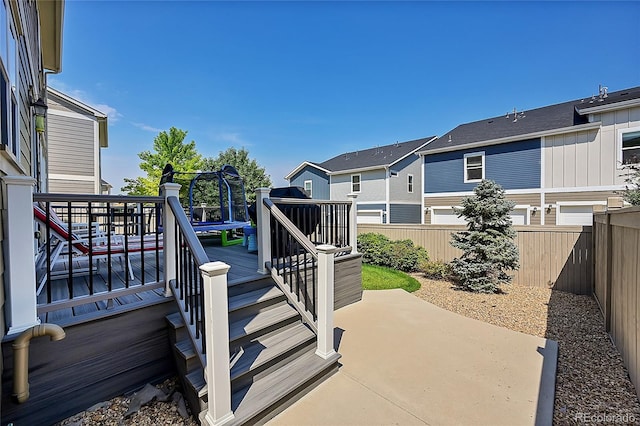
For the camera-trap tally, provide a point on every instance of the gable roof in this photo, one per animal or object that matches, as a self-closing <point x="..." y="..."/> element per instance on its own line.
<point x="302" y="166"/>
<point x="381" y="156"/>
<point x="100" y="116"/>
<point x="567" y="116"/>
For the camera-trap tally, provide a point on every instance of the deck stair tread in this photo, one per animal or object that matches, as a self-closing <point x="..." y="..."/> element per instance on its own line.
<point x="250" y="401"/>
<point x="185" y="349"/>
<point x="175" y="320"/>
<point x="255" y="322"/>
<point x="197" y="382"/>
<point x="250" y="298"/>
<point x="265" y="349"/>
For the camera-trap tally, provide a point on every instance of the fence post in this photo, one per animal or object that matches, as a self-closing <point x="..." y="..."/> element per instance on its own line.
<point x="264" y="230"/>
<point x="19" y="254"/>
<point x="609" y="275"/>
<point x="353" y="221"/>
<point x="216" y="317"/>
<point x="169" y="236"/>
<point x="325" y="300"/>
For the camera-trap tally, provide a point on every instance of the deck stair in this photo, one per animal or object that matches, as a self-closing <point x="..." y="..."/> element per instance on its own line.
<point x="273" y="360"/>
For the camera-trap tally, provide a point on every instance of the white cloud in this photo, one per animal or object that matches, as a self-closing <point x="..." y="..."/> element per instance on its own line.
<point x="112" y="113"/>
<point x="147" y="127"/>
<point x="233" y="138"/>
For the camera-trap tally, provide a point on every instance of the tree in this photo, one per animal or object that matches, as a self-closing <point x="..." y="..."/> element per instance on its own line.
<point x="169" y="148"/>
<point x="488" y="246"/>
<point x="632" y="192"/>
<point x="253" y="176"/>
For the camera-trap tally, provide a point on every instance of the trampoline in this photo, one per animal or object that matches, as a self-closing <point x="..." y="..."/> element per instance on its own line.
<point x="216" y="200"/>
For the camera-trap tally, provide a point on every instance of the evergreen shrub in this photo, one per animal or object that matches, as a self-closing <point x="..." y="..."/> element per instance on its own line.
<point x="487" y="244"/>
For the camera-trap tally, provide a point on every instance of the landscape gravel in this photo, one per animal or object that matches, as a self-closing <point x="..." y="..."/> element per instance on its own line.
<point x="592" y="384"/>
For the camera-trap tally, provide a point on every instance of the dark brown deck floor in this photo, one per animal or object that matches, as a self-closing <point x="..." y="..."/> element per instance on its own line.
<point x="244" y="265"/>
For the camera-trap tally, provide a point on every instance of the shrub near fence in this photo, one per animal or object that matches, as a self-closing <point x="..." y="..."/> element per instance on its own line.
<point x="550" y="256"/>
<point x="617" y="282"/>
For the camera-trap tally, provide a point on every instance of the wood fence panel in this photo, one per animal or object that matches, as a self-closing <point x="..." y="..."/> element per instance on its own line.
<point x="617" y="282"/>
<point x="550" y="256"/>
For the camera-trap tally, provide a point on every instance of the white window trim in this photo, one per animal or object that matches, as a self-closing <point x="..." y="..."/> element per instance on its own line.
<point x="310" y="192"/>
<point x="410" y="184"/>
<point x="464" y="171"/>
<point x="619" y="145"/>
<point x="13" y="92"/>
<point x="359" y="183"/>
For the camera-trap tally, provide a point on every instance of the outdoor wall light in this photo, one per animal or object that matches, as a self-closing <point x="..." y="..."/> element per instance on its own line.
<point x="41" y="112"/>
<point x="535" y="209"/>
<point x="549" y="207"/>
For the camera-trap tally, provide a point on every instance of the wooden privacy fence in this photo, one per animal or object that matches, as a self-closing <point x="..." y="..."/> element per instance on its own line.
<point x="559" y="257"/>
<point x="617" y="281"/>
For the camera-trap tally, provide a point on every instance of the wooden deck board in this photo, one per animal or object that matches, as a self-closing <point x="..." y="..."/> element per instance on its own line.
<point x="243" y="265"/>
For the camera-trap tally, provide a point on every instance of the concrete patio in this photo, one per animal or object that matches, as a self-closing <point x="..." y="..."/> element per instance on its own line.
<point x="406" y="361"/>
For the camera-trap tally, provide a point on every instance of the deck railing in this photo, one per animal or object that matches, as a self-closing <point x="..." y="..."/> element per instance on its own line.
<point x="200" y="288"/>
<point x="303" y="270"/>
<point x="321" y="221"/>
<point x="188" y="285"/>
<point x="93" y="262"/>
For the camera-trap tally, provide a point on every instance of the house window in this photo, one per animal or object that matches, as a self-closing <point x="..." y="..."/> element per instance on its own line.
<point x="410" y="184"/>
<point x="473" y="167"/>
<point x="629" y="142"/>
<point x="308" y="188"/>
<point x="355" y="183"/>
<point x="8" y="84"/>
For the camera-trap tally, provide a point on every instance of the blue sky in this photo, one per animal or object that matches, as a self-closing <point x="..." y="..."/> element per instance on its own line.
<point x="296" y="81"/>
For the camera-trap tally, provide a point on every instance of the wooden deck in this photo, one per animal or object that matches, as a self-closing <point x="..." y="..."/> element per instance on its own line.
<point x="129" y="294"/>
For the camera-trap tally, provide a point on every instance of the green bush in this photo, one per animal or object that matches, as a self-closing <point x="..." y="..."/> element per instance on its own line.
<point x="436" y="270"/>
<point x="401" y="255"/>
<point x="374" y="248"/>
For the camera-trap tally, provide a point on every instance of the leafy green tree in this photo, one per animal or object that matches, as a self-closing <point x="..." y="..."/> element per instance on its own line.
<point x="487" y="245"/>
<point x="168" y="147"/>
<point x="632" y="193"/>
<point x="253" y="176"/>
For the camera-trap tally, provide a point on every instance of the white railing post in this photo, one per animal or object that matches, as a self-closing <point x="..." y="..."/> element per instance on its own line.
<point x="216" y="319"/>
<point x="19" y="254"/>
<point x="325" y="300"/>
<point x="169" y="236"/>
<point x="263" y="230"/>
<point x="353" y="223"/>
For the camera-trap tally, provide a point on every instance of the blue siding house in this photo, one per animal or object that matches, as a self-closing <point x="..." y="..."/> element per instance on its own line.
<point x="386" y="180"/>
<point x="558" y="163"/>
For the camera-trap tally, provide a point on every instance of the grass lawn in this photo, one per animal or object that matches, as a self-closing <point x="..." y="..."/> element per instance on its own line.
<point x="380" y="278"/>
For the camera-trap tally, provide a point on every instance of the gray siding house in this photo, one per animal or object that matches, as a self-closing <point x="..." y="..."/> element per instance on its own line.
<point x="386" y="180"/>
<point x="558" y="163"/>
<point x="76" y="133"/>
<point x="31" y="37"/>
